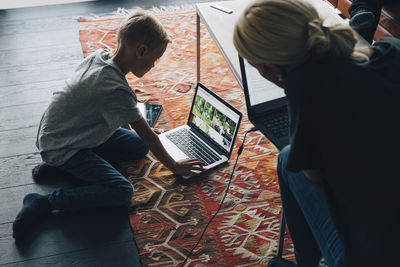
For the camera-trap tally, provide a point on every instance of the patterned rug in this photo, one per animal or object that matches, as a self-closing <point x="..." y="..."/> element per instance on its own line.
<point x="167" y="214"/>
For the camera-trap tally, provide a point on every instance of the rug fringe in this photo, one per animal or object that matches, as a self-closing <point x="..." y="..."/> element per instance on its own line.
<point x="123" y="12"/>
<point x="172" y="9"/>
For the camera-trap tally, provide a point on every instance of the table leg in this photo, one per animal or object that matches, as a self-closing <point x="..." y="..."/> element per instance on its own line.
<point x="198" y="46"/>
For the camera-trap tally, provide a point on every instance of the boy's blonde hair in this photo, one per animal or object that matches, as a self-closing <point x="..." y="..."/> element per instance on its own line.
<point x="286" y="32"/>
<point x="142" y="28"/>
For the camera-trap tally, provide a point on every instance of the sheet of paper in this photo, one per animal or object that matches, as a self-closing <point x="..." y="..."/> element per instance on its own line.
<point x="260" y="89"/>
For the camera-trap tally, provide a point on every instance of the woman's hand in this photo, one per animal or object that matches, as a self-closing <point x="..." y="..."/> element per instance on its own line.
<point x="191" y="167"/>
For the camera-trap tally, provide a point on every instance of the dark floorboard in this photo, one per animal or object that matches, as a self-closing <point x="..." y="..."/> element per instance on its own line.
<point x="39" y="39"/>
<point x="21" y="115"/>
<point x="15" y="26"/>
<point x="13" y="197"/>
<point x="86" y="8"/>
<point x="72" y="233"/>
<point x="40" y="55"/>
<point x="16" y="170"/>
<point x="39" y="48"/>
<point x="43" y="72"/>
<point x="18" y="142"/>
<point x="28" y="93"/>
<point x="113" y="254"/>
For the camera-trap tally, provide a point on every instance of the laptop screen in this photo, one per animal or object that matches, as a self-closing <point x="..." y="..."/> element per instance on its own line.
<point x="214" y="118"/>
<point x="260" y="90"/>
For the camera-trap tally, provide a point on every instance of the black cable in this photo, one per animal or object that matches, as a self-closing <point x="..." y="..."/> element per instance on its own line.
<point x="240" y="150"/>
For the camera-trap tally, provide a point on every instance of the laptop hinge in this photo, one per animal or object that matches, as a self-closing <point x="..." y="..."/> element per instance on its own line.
<point x="266" y="107"/>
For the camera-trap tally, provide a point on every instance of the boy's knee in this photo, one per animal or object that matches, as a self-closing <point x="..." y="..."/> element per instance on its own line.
<point x="140" y="152"/>
<point x="143" y="150"/>
<point x="137" y="145"/>
<point x="124" y="192"/>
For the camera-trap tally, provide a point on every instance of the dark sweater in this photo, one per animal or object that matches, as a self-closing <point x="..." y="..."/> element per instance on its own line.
<point x="344" y="122"/>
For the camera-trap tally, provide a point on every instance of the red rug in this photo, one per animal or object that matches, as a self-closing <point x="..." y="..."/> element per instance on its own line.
<point x="167" y="214"/>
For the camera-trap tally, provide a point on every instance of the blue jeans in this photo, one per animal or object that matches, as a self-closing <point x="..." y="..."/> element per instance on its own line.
<point x="308" y="218"/>
<point x="106" y="186"/>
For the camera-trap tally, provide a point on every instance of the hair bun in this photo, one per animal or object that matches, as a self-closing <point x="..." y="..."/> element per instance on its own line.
<point x="318" y="39"/>
<point x="315" y="23"/>
<point x="288" y="32"/>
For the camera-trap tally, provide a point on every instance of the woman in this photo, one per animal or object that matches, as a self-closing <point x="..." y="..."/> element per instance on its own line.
<point x="338" y="177"/>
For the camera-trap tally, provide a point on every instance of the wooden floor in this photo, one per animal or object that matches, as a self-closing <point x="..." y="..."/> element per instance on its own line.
<point x="39" y="48"/>
<point x="8" y="4"/>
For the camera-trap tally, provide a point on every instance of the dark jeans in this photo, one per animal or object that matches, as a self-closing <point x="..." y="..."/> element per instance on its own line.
<point x="106" y="186"/>
<point x="308" y="218"/>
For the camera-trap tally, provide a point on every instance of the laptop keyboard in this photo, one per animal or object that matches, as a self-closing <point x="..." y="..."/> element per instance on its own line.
<point x="277" y="123"/>
<point x="192" y="147"/>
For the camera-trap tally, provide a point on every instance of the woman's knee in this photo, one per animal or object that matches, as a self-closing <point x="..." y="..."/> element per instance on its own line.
<point x="282" y="160"/>
<point x="284" y="153"/>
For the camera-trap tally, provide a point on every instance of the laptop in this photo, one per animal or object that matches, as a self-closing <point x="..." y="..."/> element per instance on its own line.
<point x="266" y="105"/>
<point x="210" y="132"/>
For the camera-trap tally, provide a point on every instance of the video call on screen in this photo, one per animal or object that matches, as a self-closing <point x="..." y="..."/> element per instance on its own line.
<point x="212" y="121"/>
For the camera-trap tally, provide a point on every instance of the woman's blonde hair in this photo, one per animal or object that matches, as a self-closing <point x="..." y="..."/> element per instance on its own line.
<point x="142" y="28"/>
<point x="286" y="32"/>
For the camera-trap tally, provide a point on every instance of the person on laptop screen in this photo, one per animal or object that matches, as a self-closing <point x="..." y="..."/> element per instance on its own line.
<point x="88" y="127"/>
<point x="338" y="177"/>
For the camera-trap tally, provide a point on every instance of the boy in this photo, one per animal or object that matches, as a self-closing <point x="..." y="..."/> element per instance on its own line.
<point x="88" y="125"/>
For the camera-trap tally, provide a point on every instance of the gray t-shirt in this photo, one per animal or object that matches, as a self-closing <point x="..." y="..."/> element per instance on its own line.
<point x="95" y="102"/>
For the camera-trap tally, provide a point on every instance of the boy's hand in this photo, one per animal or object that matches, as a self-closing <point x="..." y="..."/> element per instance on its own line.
<point x="158" y="130"/>
<point x="188" y="167"/>
<point x="151" y="140"/>
<point x="127" y="126"/>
